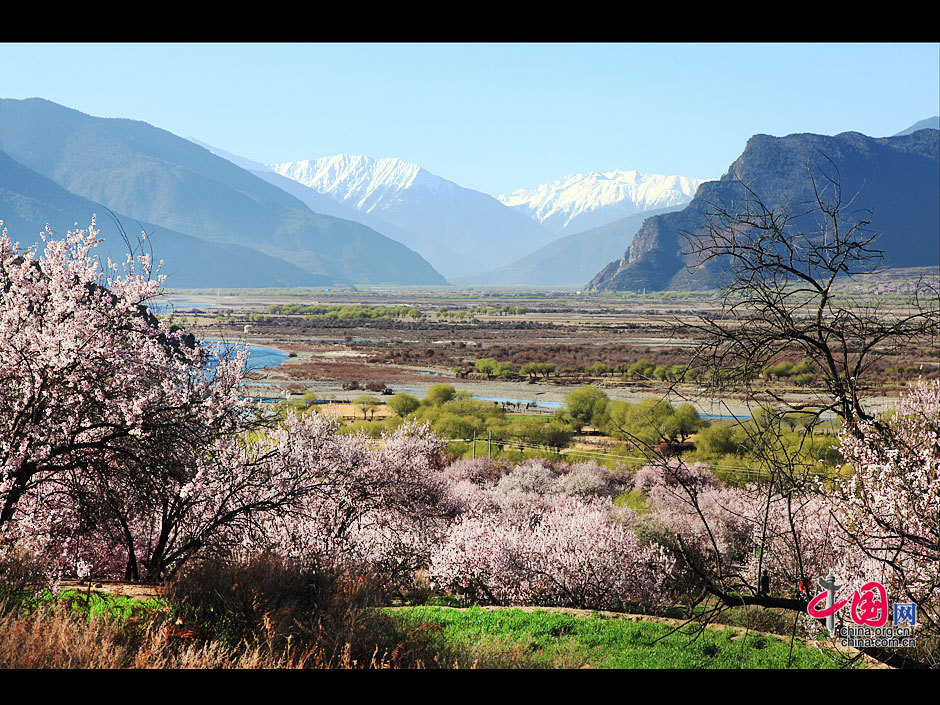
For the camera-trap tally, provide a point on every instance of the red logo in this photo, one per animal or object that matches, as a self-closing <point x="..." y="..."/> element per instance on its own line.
<point x="869" y="605"/>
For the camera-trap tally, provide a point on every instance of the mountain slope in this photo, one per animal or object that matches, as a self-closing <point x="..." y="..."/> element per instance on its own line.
<point x="583" y="201"/>
<point x="153" y="175"/>
<point x="313" y="199"/>
<point x="30" y="201"/>
<point x="899" y="177"/>
<point x="569" y="261"/>
<point x="932" y="123"/>
<point x="458" y="230"/>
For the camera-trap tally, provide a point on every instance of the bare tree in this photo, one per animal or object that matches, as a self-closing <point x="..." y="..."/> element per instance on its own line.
<point x="782" y="295"/>
<point x="784" y="266"/>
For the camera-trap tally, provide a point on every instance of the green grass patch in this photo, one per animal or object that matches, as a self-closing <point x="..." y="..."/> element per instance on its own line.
<point x="634" y="499"/>
<point x="101" y="605"/>
<point x="553" y="640"/>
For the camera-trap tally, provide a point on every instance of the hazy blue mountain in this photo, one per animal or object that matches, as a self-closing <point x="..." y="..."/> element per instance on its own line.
<point x="570" y="260"/>
<point x="457" y="229"/>
<point x="30" y="201"/>
<point x="349" y="184"/>
<point x="898" y="177"/>
<point x="155" y="176"/>
<point x="932" y="123"/>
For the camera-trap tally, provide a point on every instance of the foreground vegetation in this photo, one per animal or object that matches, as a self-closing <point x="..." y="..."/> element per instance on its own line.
<point x="558" y="640"/>
<point x="123" y="452"/>
<point x="627" y="435"/>
<point x="269" y="615"/>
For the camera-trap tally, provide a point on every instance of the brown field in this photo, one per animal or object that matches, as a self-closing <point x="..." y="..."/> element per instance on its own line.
<point x="568" y="329"/>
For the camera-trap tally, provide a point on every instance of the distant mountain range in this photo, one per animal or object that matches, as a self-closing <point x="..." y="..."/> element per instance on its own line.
<point x="152" y="175"/>
<point x="313" y="199"/>
<point x="898" y="177"/>
<point x="584" y="201"/>
<point x="30" y="201"/>
<point x="221" y="220"/>
<point x="456" y="229"/>
<point x="474" y="238"/>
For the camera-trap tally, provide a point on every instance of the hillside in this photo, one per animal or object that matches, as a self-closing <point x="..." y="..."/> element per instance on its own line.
<point x="931" y="123"/>
<point x="30" y="201"/>
<point x="155" y="176"/>
<point x="897" y="177"/>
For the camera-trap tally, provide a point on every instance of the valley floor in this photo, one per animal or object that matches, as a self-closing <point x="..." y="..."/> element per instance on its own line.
<point x="456" y="328"/>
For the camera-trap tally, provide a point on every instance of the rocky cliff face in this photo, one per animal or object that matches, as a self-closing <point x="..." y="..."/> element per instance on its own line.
<point x="897" y="177"/>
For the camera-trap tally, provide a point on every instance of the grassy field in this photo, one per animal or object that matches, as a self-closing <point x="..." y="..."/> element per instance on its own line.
<point x="553" y="640"/>
<point x="112" y="631"/>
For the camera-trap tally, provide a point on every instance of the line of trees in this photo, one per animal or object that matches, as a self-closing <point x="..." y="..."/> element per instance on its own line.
<point x="345" y="312"/>
<point x="800" y="373"/>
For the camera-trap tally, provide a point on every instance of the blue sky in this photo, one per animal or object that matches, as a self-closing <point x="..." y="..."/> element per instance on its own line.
<point x="493" y="117"/>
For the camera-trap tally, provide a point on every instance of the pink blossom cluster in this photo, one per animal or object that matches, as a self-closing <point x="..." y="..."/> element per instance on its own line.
<point x="103" y="410"/>
<point x="891" y="501"/>
<point x="738" y="537"/>
<point x="747" y="533"/>
<point x="545" y="533"/>
<point x="713" y="521"/>
<point x="380" y="504"/>
<point x="575" y="555"/>
<point x="800" y="539"/>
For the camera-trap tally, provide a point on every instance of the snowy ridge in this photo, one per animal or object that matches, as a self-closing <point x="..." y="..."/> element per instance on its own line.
<point x="461" y="231"/>
<point x="358" y="181"/>
<point x="575" y="202"/>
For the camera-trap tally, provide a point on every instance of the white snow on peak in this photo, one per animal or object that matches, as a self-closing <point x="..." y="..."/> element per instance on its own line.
<point x="362" y="182"/>
<point x="562" y="201"/>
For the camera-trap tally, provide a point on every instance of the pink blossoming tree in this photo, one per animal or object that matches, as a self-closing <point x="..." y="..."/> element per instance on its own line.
<point x="360" y="503"/>
<point x="891" y="503"/>
<point x="105" y="412"/>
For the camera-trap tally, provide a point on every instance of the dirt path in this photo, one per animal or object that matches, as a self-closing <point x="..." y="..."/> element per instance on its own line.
<point x="139" y="591"/>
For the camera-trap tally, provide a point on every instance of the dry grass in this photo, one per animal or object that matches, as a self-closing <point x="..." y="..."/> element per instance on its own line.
<point x="265" y="613"/>
<point x="58" y="638"/>
<point x="353" y="412"/>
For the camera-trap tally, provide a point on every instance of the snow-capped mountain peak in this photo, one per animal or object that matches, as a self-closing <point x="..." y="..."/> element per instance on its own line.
<point x="362" y="182"/>
<point x="582" y="201"/>
<point x="457" y="229"/>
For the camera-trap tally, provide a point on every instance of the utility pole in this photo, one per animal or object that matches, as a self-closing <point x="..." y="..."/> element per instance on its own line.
<point x="489" y="450"/>
<point x="474" y="445"/>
